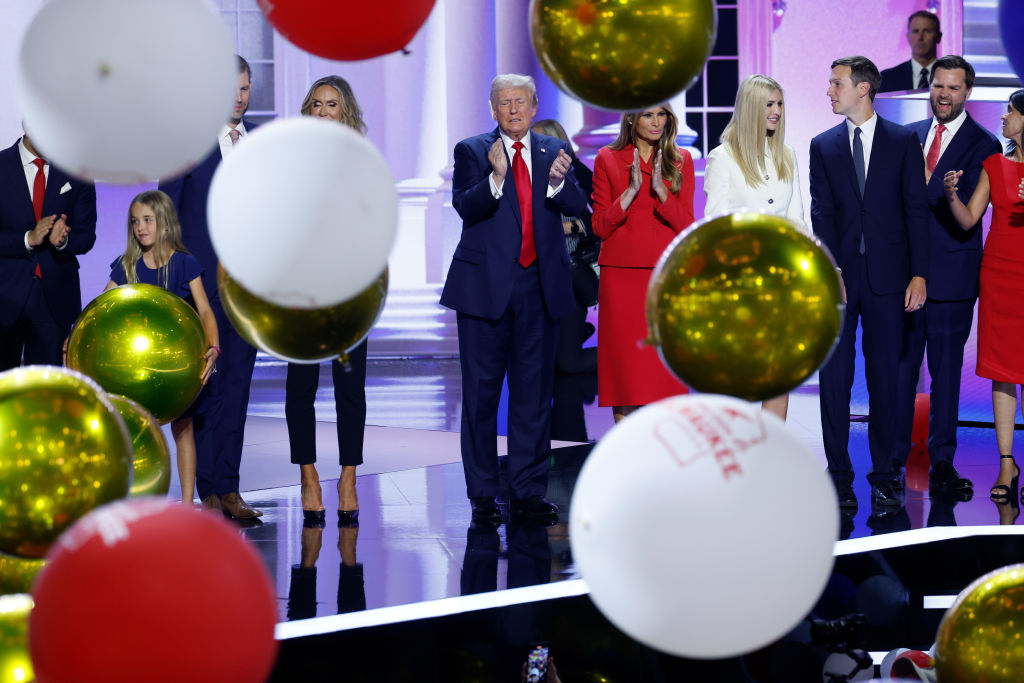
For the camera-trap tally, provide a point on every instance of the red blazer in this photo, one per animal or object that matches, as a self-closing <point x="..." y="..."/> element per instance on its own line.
<point x="637" y="237"/>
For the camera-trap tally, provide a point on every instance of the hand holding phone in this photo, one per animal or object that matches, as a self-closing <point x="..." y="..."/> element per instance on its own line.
<point x="537" y="664"/>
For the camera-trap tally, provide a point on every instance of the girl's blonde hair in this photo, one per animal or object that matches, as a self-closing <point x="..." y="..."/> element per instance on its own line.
<point x="746" y="136"/>
<point x="168" y="236"/>
<point x="670" y="155"/>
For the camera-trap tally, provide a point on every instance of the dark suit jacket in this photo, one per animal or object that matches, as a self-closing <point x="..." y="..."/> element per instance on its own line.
<point x="59" y="267"/>
<point x="893" y="214"/>
<point x="899" y="77"/>
<point x="189" y="193"/>
<point x="955" y="253"/>
<point x="480" y="279"/>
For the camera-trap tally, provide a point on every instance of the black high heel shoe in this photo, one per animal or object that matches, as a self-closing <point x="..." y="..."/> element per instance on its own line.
<point x="347" y="518"/>
<point x="1000" y="493"/>
<point x="313" y="519"/>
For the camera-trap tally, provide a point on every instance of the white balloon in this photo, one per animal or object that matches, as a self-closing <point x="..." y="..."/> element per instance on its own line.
<point x="841" y="664"/>
<point x="703" y="526"/>
<point x="303" y="213"/>
<point x="126" y="91"/>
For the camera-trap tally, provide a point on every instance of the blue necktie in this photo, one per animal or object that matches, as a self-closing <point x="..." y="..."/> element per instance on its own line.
<point x="858" y="167"/>
<point x="858" y="160"/>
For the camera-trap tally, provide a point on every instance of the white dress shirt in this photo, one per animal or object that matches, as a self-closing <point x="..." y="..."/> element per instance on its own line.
<point x="496" y="191"/>
<point x="867" y="135"/>
<point x="224" y="139"/>
<point x="727" y="189"/>
<point x="947" y="135"/>
<point x="27" y="159"/>
<point x="916" y="69"/>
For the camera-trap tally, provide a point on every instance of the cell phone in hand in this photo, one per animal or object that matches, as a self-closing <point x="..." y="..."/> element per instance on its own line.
<point x="537" y="664"/>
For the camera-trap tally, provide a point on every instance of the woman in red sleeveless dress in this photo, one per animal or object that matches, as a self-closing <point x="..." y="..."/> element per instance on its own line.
<point x="1001" y="289"/>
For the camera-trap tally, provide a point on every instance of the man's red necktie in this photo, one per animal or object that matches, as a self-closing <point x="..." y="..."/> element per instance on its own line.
<point x="528" y="253"/>
<point x="933" y="151"/>
<point x="38" y="192"/>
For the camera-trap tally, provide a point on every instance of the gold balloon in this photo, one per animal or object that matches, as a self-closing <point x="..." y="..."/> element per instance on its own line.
<point x="142" y="342"/>
<point x="18" y="573"/>
<point x="744" y="304"/>
<point x="15" y="662"/>
<point x="302" y="335"/>
<point x="65" y="451"/>
<point x="979" y="637"/>
<point x="623" y="54"/>
<point x="152" y="459"/>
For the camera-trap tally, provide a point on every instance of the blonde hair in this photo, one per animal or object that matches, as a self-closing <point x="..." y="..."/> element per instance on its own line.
<point x="746" y="135"/>
<point x="168" y="236"/>
<point x="351" y="114"/>
<point x="670" y="155"/>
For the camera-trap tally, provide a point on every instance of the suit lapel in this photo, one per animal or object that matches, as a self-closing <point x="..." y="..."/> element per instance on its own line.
<point x="54" y="183"/>
<point x="952" y="158"/>
<point x="539" y="172"/>
<point x="845" y="156"/>
<point x="508" y="188"/>
<point x="878" y="143"/>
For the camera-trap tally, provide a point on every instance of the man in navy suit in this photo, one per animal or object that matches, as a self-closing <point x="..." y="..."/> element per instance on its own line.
<point x="220" y="416"/>
<point x="952" y="141"/>
<point x="509" y="283"/>
<point x="923" y="36"/>
<point x="47" y="218"/>
<point x="868" y="205"/>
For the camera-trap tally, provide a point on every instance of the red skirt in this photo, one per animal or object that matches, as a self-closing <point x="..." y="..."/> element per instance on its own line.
<point x="629" y="372"/>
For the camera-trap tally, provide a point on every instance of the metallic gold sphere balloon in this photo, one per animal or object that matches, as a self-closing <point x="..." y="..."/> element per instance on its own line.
<point x="623" y="55"/>
<point x="15" y="662"/>
<point x="302" y="335"/>
<point x="152" y="459"/>
<point x="18" y="573"/>
<point x="744" y="304"/>
<point x="142" y="342"/>
<point x="65" y="451"/>
<point x="979" y="637"/>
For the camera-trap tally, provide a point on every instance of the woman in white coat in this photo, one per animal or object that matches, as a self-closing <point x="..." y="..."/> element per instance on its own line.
<point x="754" y="168"/>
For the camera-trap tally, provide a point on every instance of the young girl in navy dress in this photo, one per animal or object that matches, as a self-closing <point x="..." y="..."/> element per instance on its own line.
<point x="156" y="256"/>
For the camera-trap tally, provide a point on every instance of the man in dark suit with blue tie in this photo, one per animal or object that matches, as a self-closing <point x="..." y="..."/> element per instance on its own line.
<point x="923" y="37"/>
<point x="220" y="415"/>
<point x="868" y="205"/>
<point x="952" y="141"/>
<point x="509" y="283"/>
<point x="47" y="219"/>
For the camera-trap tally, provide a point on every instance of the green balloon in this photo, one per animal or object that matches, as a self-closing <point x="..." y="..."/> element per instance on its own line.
<point x="18" y="573"/>
<point x="151" y="458"/>
<point x="745" y="304"/>
<point x="302" y="335"/>
<point x="65" y="451"/>
<point x="15" y="662"/>
<point x="142" y="342"/>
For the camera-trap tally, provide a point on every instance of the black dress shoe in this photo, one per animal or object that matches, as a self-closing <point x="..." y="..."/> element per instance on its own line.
<point x="534" y="507"/>
<point x="314" y="519"/>
<point x="348" y="518"/>
<point x="485" y="510"/>
<point x="885" y="496"/>
<point x="899" y="480"/>
<point x="847" y="498"/>
<point x="944" y="476"/>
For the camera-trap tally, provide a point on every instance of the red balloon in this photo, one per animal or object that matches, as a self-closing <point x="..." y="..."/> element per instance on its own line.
<point x="141" y="590"/>
<point x="347" y="29"/>
<point x="922" y="405"/>
<point x="918" y="463"/>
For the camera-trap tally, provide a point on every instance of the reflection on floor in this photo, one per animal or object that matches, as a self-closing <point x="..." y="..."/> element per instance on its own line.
<point x="415" y="542"/>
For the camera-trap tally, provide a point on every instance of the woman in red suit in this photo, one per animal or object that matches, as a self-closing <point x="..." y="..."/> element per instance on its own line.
<point x="643" y="197"/>
<point x="1001" y="287"/>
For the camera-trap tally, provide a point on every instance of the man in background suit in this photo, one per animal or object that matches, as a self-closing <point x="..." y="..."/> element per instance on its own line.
<point x="509" y="283"/>
<point x="47" y="219"/>
<point x="923" y="36"/>
<point x="952" y="141"/>
<point x="868" y="205"/>
<point x="220" y="416"/>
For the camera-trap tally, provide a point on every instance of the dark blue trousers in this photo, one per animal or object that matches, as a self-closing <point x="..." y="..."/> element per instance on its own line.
<point x="881" y="317"/>
<point x="219" y="419"/>
<point x="521" y="343"/>
<point x="34" y="336"/>
<point x="941" y="327"/>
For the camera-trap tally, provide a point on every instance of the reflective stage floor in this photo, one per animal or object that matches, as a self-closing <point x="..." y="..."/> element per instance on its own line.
<point x="415" y="548"/>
